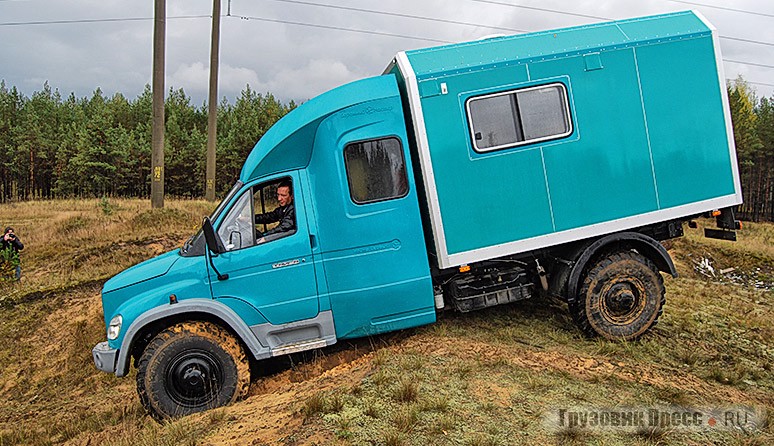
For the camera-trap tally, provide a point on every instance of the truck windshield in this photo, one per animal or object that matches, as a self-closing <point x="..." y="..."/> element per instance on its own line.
<point x="194" y="246"/>
<point x="238" y="185"/>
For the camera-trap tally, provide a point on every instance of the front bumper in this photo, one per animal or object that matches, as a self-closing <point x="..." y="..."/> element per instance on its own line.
<point x="104" y="357"/>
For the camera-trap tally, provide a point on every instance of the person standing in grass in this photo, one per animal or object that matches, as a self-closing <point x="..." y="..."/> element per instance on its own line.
<point x="11" y="241"/>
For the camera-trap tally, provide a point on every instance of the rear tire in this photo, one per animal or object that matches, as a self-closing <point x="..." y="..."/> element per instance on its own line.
<point x="191" y="367"/>
<point x="621" y="297"/>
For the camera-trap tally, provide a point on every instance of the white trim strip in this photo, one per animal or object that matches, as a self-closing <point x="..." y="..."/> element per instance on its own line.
<point x="420" y="132"/>
<point x="300" y="347"/>
<point x="585" y="232"/>
<point x="726" y="106"/>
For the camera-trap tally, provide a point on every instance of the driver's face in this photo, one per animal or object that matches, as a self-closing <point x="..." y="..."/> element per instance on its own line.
<point x="283" y="196"/>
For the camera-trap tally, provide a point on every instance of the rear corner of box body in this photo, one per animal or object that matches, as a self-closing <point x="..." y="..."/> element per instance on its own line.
<point x="423" y="149"/>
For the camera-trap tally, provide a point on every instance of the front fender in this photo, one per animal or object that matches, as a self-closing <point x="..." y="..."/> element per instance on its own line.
<point x="205" y="306"/>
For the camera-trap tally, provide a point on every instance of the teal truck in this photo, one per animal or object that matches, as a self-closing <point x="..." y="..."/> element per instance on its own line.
<point x="465" y="176"/>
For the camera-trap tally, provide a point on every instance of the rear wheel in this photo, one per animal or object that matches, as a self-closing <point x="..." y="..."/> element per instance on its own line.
<point x="621" y="297"/>
<point x="191" y="367"/>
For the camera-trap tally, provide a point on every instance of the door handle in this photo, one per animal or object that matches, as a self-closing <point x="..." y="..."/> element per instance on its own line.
<point x="313" y="241"/>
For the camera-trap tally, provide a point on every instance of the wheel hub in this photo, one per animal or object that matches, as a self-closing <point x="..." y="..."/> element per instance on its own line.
<point x="195" y="374"/>
<point x="193" y="378"/>
<point x="623" y="300"/>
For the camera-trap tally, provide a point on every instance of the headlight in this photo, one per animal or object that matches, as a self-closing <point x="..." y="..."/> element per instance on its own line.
<point x="115" y="327"/>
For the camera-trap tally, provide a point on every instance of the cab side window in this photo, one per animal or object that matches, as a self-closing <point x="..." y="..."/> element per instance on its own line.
<point x="263" y="213"/>
<point x="275" y="211"/>
<point x="376" y="170"/>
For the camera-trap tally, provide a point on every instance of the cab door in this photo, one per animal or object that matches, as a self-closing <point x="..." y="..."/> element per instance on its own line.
<point x="370" y="231"/>
<point x="273" y="273"/>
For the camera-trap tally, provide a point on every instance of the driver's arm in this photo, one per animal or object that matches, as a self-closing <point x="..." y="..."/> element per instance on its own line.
<point x="287" y="223"/>
<point x="269" y="217"/>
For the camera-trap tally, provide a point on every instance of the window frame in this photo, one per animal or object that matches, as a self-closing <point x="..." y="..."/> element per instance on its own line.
<point x="252" y="190"/>
<point x="516" y="91"/>
<point x="349" y="177"/>
<point x="245" y="193"/>
<point x="262" y="185"/>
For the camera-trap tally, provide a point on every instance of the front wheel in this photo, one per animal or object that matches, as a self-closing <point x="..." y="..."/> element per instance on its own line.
<point x="622" y="296"/>
<point x="191" y="367"/>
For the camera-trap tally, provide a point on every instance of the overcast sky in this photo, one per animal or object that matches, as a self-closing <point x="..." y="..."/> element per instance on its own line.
<point x="298" y="62"/>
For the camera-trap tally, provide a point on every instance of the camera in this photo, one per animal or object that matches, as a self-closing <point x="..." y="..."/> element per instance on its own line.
<point x="12" y="235"/>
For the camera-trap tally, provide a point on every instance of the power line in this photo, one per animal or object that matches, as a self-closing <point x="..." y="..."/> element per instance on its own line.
<point x="396" y="14"/>
<point x="361" y="31"/>
<point x="446" y="41"/>
<point x="124" y="19"/>
<point x="379" y="33"/>
<point x="136" y="19"/>
<point x="763" y="14"/>
<point x="739" y="39"/>
<point x="534" y="8"/>
<point x="554" y="11"/>
<point x="370" y="11"/>
<point x="751" y="82"/>
<point x="749" y="63"/>
<point x="338" y="28"/>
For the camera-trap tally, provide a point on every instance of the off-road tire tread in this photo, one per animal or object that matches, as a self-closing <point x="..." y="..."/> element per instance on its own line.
<point x="578" y="306"/>
<point x="196" y="328"/>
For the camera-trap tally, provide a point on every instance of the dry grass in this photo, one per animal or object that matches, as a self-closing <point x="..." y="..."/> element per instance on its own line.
<point x="51" y="319"/>
<point x="751" y="257"/>
<point x="406" y="391"/>
<point x="70" y="242"/>
<point x="484" y="378"/>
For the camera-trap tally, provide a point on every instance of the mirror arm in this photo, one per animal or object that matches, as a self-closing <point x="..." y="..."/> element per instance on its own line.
<point x="213" y="245"/>
<point x="212" y="264"/>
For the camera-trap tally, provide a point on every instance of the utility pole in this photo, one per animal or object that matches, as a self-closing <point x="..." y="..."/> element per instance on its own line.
<point x="212" y="123"/>
<point x="157" y="155"/>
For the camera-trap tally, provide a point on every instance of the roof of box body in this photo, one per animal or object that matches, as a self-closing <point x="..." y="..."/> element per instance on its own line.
<point x="545" y="45"/>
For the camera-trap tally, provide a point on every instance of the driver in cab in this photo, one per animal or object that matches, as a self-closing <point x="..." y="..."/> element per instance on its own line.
<point x="285" y="214"/>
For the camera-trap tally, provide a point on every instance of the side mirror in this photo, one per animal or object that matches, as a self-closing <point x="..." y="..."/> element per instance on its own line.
<point x="213" y="242"/>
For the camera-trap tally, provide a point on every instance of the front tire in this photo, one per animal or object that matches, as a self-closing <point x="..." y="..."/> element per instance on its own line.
<point x="191" y="367"/>
<point x="621" y="297"/>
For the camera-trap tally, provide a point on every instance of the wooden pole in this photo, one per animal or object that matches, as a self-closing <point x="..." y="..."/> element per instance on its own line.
<point x="157" y="156"/>
<point x="212" y="123"/>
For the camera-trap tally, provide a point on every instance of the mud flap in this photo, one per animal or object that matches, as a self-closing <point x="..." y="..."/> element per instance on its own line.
<point x="727" y="223"/>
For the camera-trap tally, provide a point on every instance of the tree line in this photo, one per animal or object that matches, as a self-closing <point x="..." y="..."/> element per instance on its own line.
<point x="55" y="147"/>
<point x="753" y="121"/>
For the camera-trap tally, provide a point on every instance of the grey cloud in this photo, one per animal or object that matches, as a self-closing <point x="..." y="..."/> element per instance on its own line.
<point x="296" y="62"/>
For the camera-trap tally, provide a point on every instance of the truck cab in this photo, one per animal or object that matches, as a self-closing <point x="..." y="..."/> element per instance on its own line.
<point x="354" y="262"/>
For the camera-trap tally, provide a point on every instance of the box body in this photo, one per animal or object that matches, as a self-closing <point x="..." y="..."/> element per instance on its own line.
<point x="623" y="124"/>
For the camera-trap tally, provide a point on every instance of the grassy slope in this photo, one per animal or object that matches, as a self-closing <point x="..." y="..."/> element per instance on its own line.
<point x="480" y="379"/>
